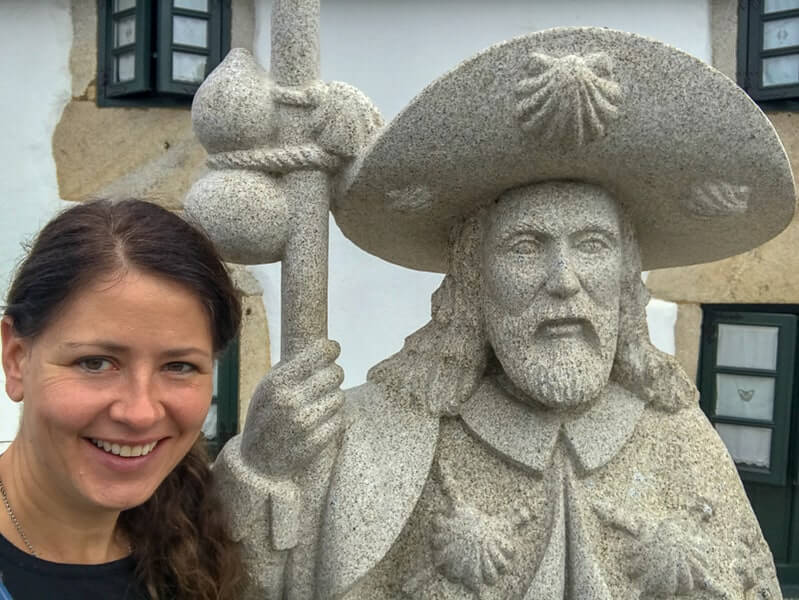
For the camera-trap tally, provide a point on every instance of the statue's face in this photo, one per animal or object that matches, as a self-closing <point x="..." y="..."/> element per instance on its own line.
<point x="552" y="266"/>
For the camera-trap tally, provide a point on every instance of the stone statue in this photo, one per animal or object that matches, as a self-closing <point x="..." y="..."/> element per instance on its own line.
<point x="529" y="442"/>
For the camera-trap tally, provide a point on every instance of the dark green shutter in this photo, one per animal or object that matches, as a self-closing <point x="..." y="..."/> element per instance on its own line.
<point x="153" y="82"/>
<point x="226" y="398"/>
<point x="751" y="19"/>
<point x="140" y="49"/>
<point x="217" y="21"/>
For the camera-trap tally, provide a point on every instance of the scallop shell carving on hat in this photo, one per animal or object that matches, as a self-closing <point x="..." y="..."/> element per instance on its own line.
<point x="411" y="199"/>
<point x="569" y="100"/>
<point x="718" y="199"/>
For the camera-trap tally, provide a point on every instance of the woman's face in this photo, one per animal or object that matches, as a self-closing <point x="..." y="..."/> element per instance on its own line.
<point x="116" y="389"/>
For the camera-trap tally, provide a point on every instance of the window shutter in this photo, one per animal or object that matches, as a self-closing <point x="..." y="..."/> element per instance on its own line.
<point x="124" y="42"/>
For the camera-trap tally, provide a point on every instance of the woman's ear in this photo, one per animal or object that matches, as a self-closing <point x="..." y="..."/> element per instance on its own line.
<point x="15" y="354"/>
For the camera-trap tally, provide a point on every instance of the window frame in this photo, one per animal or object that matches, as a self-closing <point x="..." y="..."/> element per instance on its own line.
<point x="106" y="51"/>
<point x="777" y="472"/>
<point x="213" y="53"/>
<point x="154" y="86"/>
<point x="750" y="53"/>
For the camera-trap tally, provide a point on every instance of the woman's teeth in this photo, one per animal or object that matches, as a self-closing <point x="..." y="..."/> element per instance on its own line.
<point x="124" y="451"/>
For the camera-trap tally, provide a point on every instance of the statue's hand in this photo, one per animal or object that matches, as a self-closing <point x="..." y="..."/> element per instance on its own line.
<point x="295" y="412"/>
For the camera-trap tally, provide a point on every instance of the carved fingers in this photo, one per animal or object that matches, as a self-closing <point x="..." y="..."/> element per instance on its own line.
<point x="295" y="411"/>
<point x="471" y="547"/>
<point x="494" y="559"/>
<point x="669" y="558"/>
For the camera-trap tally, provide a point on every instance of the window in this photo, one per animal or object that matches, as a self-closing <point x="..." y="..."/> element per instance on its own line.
<point x="768" y="48"/>
<point x="746" y="384"/>
<point x="749" y="384"/>
<point x="157" y="52"/>
<point x="222" y="421"/>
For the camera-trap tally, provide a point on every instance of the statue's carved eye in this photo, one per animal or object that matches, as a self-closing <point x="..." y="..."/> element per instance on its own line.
<point x="526" y="246"/>
<point x="592" y="245"/>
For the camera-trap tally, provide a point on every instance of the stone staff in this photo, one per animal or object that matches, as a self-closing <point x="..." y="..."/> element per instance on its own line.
<point x="267" y="197"/>
<point x="275" y="143"/>
<point x="295" y="63"/>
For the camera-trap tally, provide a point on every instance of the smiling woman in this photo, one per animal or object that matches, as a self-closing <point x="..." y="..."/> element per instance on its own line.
<point x="109" y="336"/>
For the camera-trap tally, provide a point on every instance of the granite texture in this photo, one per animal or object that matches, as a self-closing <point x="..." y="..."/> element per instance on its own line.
<point x="529" y="442"/>
<point x="680" y="145"/>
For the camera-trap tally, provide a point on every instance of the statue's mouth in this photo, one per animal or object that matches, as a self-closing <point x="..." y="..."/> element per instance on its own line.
<point x="563" y="328"/>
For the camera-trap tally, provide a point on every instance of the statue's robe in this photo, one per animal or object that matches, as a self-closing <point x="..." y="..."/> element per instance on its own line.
<point x="624" y="501"/>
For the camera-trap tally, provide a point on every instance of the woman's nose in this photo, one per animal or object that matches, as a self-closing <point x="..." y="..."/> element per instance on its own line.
<point x="139" y="405"/>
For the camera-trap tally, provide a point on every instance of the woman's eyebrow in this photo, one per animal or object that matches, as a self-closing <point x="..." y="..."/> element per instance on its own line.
<point x="116" y="348"/>
<point x="178" y="352"/>
<point x="104" y="345"/>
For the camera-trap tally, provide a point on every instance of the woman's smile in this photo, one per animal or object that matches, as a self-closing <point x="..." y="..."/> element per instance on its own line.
<point x="116" y="389"/>
<point x="125" y="449"/>
<point x="109" y="336"/>
<point x="133" y="459"/>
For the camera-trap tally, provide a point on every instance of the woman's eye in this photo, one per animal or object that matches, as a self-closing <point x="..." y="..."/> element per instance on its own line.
<point x="180" y="367"/>
<point x="95" y="364"/>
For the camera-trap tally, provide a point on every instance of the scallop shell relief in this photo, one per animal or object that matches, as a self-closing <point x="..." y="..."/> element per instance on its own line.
<point x="718" y="199"/>
<point x="569" y="100"/>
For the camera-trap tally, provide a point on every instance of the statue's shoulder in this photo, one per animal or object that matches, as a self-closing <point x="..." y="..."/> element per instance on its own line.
<point x="357" y="400"/>
<point x="683" y="463"/>
<point x="382" y="466"/>
<point x="372" y="406"/>
<point x="686" y="424"/>
<point x="684" y="448"/>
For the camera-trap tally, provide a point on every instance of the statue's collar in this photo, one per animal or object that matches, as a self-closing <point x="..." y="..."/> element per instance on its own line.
<point x="527" y="435"/>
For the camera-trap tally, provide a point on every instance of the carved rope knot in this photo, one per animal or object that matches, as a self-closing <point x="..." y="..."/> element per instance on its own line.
<point x="570" y="100"/>
<point x="310" y="96"/>
<point x="276" y="160"/>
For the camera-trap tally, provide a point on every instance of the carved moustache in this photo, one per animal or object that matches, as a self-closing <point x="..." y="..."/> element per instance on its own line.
<point x="554" y="325"/>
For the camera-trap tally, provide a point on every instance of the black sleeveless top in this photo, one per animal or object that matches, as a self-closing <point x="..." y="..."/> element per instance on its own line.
<point x="29" y="578"/>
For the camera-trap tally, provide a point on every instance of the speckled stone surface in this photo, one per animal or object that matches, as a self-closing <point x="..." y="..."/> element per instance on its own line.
<point x="529" y="442"/>
<point x="681" y="146"/>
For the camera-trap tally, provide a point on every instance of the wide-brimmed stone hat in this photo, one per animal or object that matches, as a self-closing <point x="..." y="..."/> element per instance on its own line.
<point x="696" y="165"/>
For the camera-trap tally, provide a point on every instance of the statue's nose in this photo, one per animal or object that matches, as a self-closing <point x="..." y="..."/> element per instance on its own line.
<point x="562" y="281"/>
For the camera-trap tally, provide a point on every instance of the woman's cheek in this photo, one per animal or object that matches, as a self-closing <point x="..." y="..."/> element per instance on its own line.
<point x="191" y="404"/>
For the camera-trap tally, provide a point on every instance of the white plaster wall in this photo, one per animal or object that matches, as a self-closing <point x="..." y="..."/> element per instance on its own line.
<point x="35" y="39"/>
<point x="391" y="50"/>
<point x="661" y="316"/>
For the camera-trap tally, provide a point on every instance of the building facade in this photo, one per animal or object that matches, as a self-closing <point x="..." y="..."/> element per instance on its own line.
<point x="72" y="128"/>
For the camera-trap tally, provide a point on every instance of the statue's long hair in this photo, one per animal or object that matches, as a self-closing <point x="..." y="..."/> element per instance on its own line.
<point x="442" y="363"/>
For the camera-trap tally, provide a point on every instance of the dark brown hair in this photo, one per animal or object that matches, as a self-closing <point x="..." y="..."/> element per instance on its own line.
<point x="179" y="536"/>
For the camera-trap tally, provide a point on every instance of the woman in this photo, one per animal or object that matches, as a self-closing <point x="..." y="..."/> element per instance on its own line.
<point x="109" y="337"/>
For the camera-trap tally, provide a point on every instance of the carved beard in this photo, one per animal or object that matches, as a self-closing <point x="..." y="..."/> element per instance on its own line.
<point x="556" y="371"/>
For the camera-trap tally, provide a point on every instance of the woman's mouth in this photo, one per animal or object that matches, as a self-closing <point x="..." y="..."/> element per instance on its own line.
<point x="124" y="451"/>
